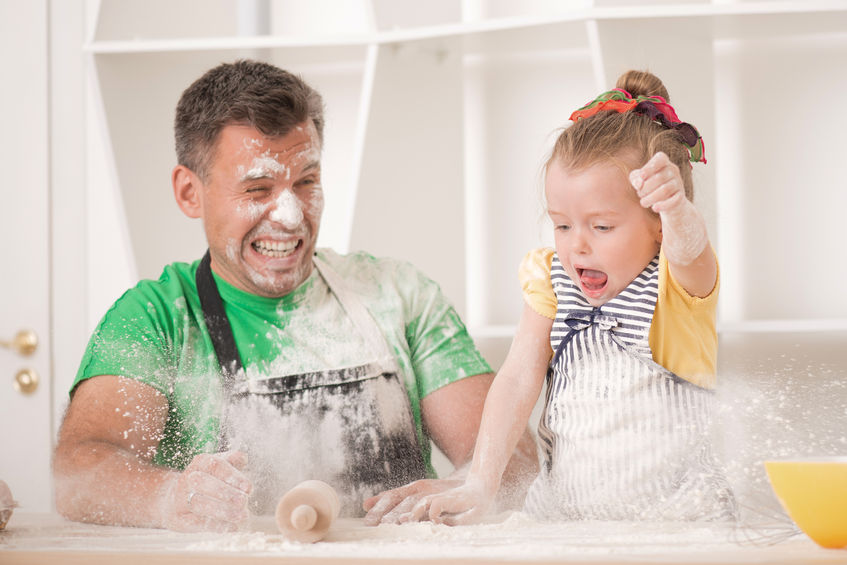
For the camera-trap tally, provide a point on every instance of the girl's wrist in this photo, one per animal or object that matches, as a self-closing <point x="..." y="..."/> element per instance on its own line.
<point x="680" y="212"/>
<point x="684" y="234"/>
<point x="483" y="485"/>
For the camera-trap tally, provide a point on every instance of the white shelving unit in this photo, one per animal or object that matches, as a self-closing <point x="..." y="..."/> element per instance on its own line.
<point x="440" y="115"/>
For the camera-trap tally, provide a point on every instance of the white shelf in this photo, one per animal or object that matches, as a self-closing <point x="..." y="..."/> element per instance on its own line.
<point x="439" y="116"/>
<point x="720" y="12"/>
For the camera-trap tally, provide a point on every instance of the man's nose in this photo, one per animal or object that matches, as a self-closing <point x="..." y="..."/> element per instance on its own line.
<point x="287" y="210"/>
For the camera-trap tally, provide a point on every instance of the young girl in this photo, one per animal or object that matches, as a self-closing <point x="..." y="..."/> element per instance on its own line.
<point x="621" y="320"/>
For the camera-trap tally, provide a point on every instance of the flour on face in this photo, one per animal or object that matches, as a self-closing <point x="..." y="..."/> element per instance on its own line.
<point x="264" y="166"/>
<point x="287" y="210"/>
<point x="263" y="208"/>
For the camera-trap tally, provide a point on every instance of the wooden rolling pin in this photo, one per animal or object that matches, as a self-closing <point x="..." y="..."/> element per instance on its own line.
<point x="306" y="512"/>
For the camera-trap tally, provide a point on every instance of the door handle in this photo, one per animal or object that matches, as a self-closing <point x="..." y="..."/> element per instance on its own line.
<point x="25" y="342"/>
<point x="26" y="381"/>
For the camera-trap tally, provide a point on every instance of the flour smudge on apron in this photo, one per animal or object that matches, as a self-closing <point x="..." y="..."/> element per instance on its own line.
<point x="351" y="427"/>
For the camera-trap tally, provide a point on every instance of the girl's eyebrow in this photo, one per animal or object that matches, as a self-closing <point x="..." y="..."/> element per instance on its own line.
<point x="604" y="213"/>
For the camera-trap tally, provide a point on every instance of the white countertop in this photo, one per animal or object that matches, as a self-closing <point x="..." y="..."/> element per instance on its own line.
<point x="42" y="538"/>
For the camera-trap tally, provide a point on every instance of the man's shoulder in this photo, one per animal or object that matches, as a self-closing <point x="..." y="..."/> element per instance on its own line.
<point x="176" y="281"/>
<point x="382" y="278"/>
<point x="363" y="264"/>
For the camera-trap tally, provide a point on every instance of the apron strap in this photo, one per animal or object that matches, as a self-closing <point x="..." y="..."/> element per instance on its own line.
<point x="358" y="313"/>
<point x="220" y="330"/>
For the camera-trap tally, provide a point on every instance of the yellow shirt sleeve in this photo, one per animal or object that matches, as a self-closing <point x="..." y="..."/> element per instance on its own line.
<point x="683" y="336"/>
<point x="534" y="275"/>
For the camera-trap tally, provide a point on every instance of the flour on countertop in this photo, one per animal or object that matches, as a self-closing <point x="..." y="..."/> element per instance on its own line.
<point x="513" y="537"/>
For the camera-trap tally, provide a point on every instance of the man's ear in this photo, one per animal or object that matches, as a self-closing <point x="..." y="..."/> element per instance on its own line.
<point x="187" y="188"/>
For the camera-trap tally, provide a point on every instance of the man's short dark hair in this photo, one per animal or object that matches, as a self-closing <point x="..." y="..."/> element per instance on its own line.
<point x="245" y="92"/>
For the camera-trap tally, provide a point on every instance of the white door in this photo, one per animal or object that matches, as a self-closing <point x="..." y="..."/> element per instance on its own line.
<point x="25" y="408"/>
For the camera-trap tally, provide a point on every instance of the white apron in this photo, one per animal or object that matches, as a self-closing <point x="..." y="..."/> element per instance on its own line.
<point x="351" y="427"/>
<point x="622" y="438"/>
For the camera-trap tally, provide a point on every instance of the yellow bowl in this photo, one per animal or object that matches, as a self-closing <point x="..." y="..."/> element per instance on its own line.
<point x="814" y="493"/>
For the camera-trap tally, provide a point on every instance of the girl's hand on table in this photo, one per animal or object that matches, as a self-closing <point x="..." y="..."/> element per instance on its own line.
<point x="395" y="506"/>
<point x="466" y="504"/>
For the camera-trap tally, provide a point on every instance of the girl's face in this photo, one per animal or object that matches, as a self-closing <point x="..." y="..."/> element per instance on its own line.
<point x="604" y="237"/>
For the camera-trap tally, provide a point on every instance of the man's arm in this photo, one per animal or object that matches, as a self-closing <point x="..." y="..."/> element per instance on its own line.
<point x="103" y="469"/>
<point x="452" y="416"/>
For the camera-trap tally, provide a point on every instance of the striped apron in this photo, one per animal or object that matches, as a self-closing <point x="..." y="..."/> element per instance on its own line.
<point x="622" y="438"/>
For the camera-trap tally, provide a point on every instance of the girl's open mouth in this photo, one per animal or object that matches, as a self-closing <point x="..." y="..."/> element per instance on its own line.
<point x="593" y="282"/>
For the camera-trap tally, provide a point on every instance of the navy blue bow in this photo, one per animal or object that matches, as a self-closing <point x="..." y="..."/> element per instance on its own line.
<point x="578" y="320"/>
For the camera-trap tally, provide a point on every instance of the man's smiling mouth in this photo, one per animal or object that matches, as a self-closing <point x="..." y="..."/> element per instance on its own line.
<point x="276" y="249"/>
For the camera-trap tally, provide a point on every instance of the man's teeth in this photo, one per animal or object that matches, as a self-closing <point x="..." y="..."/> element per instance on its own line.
<point x="276" y="249"/>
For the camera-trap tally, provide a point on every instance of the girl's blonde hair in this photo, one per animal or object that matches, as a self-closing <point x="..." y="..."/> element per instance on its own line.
<point x="628" y="139"/>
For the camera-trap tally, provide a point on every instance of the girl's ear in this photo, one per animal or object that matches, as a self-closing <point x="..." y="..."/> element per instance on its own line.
<point x="187" y="187"/>
<point x="659" y="230"/>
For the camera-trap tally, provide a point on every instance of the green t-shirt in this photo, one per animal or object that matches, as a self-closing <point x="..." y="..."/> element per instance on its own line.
<point x="155" y="333"/>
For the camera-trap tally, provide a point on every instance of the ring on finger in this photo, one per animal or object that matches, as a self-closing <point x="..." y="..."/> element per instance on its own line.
<point x="190" y="496"/>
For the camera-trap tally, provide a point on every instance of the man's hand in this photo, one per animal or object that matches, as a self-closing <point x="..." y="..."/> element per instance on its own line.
<point x="395" y="506"/>
<point x="209" y="495"/>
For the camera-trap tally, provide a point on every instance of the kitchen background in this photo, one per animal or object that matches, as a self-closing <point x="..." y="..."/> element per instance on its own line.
<point x="439" y="117"/>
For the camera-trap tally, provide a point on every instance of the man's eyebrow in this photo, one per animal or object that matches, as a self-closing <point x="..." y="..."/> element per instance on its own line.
<point x="271" y="170"/>
<point x="264" y="168"/>
<point x="312" y="165"/>
<point x="257" y="173"/>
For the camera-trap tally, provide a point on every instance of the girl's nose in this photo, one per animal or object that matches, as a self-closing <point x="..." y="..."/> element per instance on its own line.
<point x="287" y="210"/>
<point x="579" y="243"/>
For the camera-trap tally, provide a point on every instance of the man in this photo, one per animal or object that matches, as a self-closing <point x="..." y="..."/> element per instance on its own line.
<point x="210" y="392"/>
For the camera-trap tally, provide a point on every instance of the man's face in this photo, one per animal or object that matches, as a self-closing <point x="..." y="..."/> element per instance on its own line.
<point x="261" y="208"/>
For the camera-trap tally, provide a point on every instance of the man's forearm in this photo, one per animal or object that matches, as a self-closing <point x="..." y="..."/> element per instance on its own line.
<point x="103" y="484"/>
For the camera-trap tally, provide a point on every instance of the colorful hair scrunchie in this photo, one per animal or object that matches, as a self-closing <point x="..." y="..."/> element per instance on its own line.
<point x="654" y="107"/>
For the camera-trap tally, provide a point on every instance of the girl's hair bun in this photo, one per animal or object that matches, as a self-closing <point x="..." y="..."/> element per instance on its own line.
<point x="628" y="138"/>
<point x="642" y="83"/>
